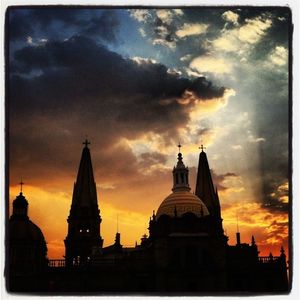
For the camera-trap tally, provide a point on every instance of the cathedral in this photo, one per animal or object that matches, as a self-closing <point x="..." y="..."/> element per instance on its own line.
<point x="185" y="253"/>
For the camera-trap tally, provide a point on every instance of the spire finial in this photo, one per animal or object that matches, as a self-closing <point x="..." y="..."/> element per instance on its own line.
<point x="117" y="223"/>
<point x="202" y="147"/>
<point x="153" y="215"/>
<point x="179" y="146"/>
<point x="86" y="142"/>
<point x="237" y="222"/>
<point x="21" y="185"/>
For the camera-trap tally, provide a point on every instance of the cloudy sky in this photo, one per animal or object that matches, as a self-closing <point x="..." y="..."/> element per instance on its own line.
<point x="137" y="81"/>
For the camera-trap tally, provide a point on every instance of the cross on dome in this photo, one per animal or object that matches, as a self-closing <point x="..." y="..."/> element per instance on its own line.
<point x="21" y="185"/>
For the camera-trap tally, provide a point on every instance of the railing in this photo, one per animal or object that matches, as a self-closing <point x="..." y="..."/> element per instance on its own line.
<point x="60" y="263"/>
<point x="57" y="263"/>
<point x="268" y="259"/>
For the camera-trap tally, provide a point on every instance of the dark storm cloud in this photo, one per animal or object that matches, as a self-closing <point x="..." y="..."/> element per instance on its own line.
<point x="100" y="73"/>
<point x="149" y="159"/>
<point x="105" y="26"/>
<point x="46" y="16"/>
<point x="25" y="22"/>
<point x="56" y="22"/>
<point x="63" y="90"/>
<point x="19" y="26"/>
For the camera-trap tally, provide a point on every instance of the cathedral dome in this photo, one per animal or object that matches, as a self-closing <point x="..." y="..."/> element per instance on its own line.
<point x="20" y="227"/>
<point x="27" y="245"/>
<point x="25" y="230"/>
<point x="181" y="202"/>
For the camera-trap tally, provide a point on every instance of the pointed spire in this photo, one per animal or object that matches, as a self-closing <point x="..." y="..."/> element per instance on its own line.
<point x="204" y="186"/>
<point x="85" y="193"/>
<point x="253" y="241"/>
<point x="84" y="213"/>
<point x="282" y="253"/>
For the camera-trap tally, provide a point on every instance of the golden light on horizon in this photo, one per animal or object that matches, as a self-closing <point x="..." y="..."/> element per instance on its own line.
<point x="50" y="209"/>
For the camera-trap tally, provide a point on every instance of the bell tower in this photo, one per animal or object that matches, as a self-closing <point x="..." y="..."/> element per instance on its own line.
<point x="84" y="219"/>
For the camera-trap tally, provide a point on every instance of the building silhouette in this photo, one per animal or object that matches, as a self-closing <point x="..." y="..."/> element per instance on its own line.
<point x="185" y="253"/>
<point x="26" y="250"/>
<point x="84" y="219"/>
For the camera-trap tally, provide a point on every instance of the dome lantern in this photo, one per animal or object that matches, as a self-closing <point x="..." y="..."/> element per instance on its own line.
<point x="180" y="175"/>
<point x="20" y="206"/>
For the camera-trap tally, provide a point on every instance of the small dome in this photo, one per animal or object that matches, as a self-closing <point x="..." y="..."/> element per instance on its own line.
<point x="184" y="201"/>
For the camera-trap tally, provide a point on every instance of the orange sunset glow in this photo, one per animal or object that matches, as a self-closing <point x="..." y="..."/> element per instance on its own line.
<point x="215" y="77"/>
<point x="130" y="210"/>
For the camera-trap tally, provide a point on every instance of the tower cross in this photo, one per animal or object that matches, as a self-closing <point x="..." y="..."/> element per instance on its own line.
<point x="21" y="185"/>
<point x="86" y="142"/>
<point x="202" y="147"/>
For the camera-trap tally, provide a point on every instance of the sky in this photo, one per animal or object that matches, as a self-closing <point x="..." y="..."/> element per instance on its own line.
<point x="136" y="82"/>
